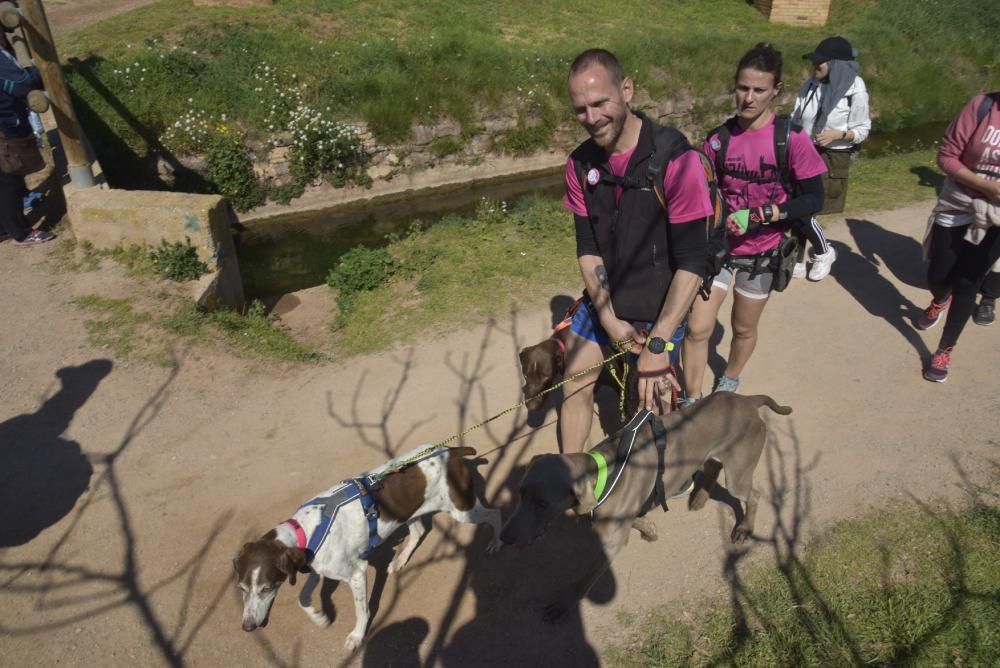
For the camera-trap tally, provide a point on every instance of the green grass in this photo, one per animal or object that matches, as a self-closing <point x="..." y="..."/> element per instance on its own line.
<point x="892" y="181"/>
<point x="462" y="270"/>
<point x="392" y="63"/>
<point x="905" y="586"/>
<point x="131" y="333"/>
<point x="117" y="326"/>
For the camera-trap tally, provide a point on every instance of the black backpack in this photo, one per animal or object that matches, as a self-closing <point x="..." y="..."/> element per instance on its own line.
<point x="792" y="249"/>
<point x="782" y="132"/>
<point x="984" y="107"/>
<point x="669" y="144"/>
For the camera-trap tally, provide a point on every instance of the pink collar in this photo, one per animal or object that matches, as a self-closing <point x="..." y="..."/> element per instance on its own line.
<point x="300" y="535"/>
<point x="562" y="346"/>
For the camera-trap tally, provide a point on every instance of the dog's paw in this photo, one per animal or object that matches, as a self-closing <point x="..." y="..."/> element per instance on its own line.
<point x="395" y="566"/>
<point x="495" y="546"/>
<point x="353" y="642"/>
<point x="647" y="530"/>
<point x="318" y="617"/>
<point x="698" y="499"/>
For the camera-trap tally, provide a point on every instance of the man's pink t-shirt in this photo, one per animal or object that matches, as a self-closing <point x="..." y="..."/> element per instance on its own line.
<point x="684" y="187"/>
<point x="750" y="157"/>
<point x="973" y="145"/>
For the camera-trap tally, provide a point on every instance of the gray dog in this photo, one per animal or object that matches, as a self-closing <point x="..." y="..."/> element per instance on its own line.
<point x="724" y="427"/>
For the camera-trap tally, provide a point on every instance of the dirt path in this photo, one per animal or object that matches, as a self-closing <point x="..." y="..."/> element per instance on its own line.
<point x="69" y="15"/>
<point x="136" y="486"/>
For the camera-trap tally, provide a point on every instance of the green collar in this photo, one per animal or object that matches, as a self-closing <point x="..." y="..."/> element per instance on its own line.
<point x="602" y="473"/>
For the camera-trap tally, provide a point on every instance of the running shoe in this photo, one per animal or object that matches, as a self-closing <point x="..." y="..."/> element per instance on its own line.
<point x="726" y="384"/>
<point x="821" y="265"/>
<point x="985" y="313"/>
<point x="937" y="371"/>
<point x="932" y="314"/>
<point x="800" y="270"/>
<point x="34" y="238"/>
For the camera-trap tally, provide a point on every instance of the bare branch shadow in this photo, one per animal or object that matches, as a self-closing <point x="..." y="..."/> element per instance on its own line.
<point x="69" y="586"/>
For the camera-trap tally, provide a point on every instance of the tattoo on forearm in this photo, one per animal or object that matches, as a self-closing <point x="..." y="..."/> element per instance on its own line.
<point x="601" y="274"/>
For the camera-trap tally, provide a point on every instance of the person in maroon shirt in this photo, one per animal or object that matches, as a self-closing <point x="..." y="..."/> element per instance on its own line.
<point x="963" y="238"/>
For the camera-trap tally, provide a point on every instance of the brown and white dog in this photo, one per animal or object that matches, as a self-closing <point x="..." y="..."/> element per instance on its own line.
<point x="722" y="430"/>
<point x="443" y="481"/>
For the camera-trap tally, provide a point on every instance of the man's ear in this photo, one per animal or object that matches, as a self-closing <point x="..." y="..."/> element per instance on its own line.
<point x="628" y="89"/>
<point x="292" y="559"/>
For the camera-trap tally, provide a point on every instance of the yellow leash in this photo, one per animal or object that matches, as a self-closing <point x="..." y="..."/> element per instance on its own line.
<point x="622" y="350"/>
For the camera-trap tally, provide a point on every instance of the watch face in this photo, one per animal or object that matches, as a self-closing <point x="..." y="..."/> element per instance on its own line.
<point x="657" y="345"/>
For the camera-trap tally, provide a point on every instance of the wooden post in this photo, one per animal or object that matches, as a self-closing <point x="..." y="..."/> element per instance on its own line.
<point x="36" y="29"/>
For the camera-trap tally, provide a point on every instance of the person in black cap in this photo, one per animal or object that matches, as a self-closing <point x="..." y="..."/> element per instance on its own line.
<point x="832" y="107"/>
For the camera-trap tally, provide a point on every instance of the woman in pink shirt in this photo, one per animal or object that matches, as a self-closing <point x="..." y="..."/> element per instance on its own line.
<point x="963" y="239"/>
<point x="761" y="201"/>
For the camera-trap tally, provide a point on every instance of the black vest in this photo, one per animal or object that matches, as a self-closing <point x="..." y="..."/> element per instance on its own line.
<point x="633" y="235"/>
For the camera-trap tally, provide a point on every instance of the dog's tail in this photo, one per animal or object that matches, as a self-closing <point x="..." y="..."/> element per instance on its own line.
<point x="764" y="400"/>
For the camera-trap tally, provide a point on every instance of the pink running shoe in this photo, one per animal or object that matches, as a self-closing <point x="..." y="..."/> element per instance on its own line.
<point x="937" y="371"/>
<point x="932" y="314"/>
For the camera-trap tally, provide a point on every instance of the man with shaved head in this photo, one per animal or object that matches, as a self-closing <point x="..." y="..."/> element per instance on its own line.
<point x="642" y="250"/>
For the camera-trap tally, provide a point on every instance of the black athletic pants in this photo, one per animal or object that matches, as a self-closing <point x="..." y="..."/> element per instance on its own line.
<point x="945" y="245"/>
<point x="11" y="210"/>
<point x="972" y="266"/>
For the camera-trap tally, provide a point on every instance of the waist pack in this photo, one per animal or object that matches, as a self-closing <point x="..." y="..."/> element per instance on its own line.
<point x="20" y="156"/>
<point x="783" y="262"/>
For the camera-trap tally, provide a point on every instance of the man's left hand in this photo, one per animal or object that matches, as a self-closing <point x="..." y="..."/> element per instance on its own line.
<point x="657" y="388"/>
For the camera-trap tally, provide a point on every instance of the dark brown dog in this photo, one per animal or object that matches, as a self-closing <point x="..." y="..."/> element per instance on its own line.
<point x="542" y="366"/>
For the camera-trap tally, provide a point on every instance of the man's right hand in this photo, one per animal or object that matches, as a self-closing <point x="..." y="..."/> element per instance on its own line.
<point x="619" y="330"/>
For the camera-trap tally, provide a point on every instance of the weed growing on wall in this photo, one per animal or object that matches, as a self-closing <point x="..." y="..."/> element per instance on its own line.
<point x="230" y="169"/>
<point x="177" y="261"/>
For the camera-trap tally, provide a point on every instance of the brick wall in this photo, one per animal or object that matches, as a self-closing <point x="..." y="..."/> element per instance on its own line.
<point x="796" y="12"/>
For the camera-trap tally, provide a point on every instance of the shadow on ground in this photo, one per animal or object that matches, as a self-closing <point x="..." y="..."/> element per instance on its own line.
<point x="43" y="474"/>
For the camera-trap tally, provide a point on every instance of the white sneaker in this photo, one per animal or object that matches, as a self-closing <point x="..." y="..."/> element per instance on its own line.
<point x="800" y="270"/>
<point x="821" y="265"/>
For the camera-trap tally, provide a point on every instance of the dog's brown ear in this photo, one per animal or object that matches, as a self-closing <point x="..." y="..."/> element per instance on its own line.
<point x="523" y="358"/>
<point x="236" y="561"/>
<point x="292" y="559"/>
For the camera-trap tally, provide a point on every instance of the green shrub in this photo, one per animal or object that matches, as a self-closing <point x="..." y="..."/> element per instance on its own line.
<point x="231" y="170"/>
<point x="177" y="261"/>
<point x="361" y="269"/>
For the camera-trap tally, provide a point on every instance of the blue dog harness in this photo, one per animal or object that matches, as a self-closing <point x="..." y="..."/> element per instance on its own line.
<point x="353" y="489"/>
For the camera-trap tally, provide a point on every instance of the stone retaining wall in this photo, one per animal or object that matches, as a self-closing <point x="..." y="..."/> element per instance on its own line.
<point x="110" y="218"/>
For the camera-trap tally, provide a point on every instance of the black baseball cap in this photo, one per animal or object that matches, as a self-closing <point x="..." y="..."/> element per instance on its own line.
<point x="831" y="48"/>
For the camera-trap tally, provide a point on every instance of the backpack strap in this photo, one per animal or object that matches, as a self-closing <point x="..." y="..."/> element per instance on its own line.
<point x="668" y="143"/>
<point x="986" y="105"/>
<point x="782" y="133"/>
<point x="723" y="133"/>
